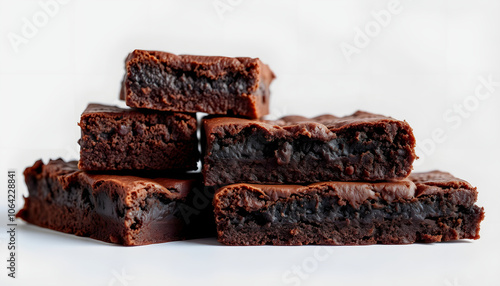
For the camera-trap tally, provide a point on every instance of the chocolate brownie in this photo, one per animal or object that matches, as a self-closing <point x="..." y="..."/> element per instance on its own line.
<point x="187" y="83"/>
<point x="129" y="139"/>
<point x="427" y="207"/>
<point x="121" y="209"/>
<point x="295" y="149"/>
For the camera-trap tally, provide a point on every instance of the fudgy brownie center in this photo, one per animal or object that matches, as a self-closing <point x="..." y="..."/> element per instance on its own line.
<point x="314" y="209"/>
<point x="158" y="77"/>
<point x="377" y="153"/>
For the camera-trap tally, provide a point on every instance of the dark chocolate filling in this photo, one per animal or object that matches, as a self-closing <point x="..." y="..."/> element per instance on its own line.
<point x="322" y="219"/>
<point x="172" y="81"/>
<point x="357" y="154"/>
<point x="314" y="210"/>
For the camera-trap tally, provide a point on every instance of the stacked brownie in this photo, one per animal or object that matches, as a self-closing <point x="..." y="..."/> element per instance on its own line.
<point x="130" y="185"/>
<point x="330" y="180"/>
<point x="291" y="181"/>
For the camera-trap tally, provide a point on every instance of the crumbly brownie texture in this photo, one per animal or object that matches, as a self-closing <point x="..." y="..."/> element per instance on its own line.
<point x="125" y="210"/>
<point x="428" y="207"/>
<point x="128" y="139"/>
<point x="186" y="83"/>
<point x="295" y="149"/>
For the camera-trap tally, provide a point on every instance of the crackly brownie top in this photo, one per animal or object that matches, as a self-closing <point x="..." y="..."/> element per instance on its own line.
<point x="333" y="122"/>
<point x="440" y="179"/>
<point x="212" y="67"/>
<point x="323" y="126"/>
<point x="101" y="109"/>
<point x="68" y="173"/>
<point x="94" y="108"/>
<point x="356" y="193"/>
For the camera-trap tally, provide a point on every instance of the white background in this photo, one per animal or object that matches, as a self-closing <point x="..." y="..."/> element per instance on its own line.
<point x="420" y="65"/>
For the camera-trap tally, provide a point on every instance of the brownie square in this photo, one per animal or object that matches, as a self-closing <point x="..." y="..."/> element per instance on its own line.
<point x="295" y="149"/>
<point x="129" y="139"/>
<point x="427" y="207"/>
<point x="121" y="209"/>
<point x="188" y="83"/>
